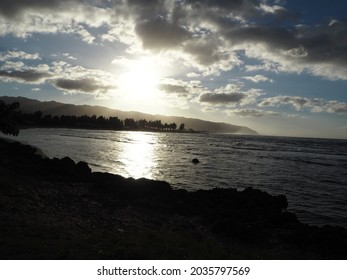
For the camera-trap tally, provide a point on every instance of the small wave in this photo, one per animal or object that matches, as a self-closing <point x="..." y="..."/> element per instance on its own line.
<point x="84" y="137"/>
<point x="315" y="162"/>
<point x="248" y="148"/>
<point x="95" y="164"/>
<point x="330" y="182"/>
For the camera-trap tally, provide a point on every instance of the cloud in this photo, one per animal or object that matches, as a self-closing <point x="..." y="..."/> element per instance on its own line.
<point x="296" y="101"/>
<point x="25" y="76"/>
<point x="222" y="98"/>
<point x="209" y="56"/>
<point x="258" y="78"/>
<point x="11" y="9"/>
<point x="170" y="88"/>
<point x="12" y="65"/>
<point x="206" y="51"/>
<point x="179" y="93"/>
<point x="24" y="18"/>
<point x="69" y="56"/>
<point x="122" y="32"/>
<point x="317" y="49"/>
<point x="238" y="8"/>
<point x="254" y="113"/>
<point x="85" y="85"/>
<point x="298" y="52"/>
<point x="230" y="96"/>
<point x="160" y="34"/>
<point x="9" y="55"/>
<point x="315" y="105"/>
<point x="64" y="76"/>
<point x="63" y="55"/>
<point x="77" y="79"/>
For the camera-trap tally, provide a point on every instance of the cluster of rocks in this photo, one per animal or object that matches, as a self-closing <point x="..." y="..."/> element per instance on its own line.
<point x="251" y="218"/>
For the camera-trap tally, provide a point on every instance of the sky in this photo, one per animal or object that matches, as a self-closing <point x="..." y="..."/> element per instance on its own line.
<point x="276" y="66"/>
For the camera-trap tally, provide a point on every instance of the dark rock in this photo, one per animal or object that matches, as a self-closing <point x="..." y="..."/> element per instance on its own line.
<point x="82" y="169"/>
<point x="327" y="242"/>
<point x="67" y="165"/>
<point x="68" y="162"/>
<point x="287" y="218"/>
<point x="144" y="185"/>
<point x="116" y="184"/>
<point x="245" y="232"/>
<point x="195" y="161"/>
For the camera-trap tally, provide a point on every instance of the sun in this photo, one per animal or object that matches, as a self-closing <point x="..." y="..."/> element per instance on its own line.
<point x="139" y="80"/>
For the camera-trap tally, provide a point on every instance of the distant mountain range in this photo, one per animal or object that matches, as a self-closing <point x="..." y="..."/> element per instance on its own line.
<point x="57" y="109"/>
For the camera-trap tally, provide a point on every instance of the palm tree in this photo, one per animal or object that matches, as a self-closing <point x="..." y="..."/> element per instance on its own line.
<point x="8" y="122"/>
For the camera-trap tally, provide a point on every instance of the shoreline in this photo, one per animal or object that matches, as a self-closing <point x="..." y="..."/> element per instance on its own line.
<point x="59" y="209"/>
<point x="112" y="129"/>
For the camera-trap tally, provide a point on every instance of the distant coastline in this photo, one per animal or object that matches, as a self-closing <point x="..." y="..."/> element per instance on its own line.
<point x="38" y="120"/>
<point x="31" y="106"/>
<point x="112" y="129"/>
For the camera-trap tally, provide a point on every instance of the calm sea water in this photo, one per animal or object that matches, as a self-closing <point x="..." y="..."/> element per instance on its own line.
<point x="312" y="173"/>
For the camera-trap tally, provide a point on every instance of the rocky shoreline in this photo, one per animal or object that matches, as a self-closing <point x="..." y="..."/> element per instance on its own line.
<point x="59" y="209"/>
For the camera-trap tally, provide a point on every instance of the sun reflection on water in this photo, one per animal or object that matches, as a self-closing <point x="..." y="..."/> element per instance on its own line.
<point x="137" y="154"/>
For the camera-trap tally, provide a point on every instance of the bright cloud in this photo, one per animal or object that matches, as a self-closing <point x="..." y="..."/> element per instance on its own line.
<point x="315" y="105"/>
<point x="258" y="79"/>
<point x="252" y="113"/>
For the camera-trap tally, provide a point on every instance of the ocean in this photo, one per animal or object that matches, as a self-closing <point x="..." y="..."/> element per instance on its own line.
<point x="312" y="173"/>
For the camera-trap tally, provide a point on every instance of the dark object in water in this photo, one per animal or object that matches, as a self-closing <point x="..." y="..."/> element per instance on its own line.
<point x="195" y="161"/>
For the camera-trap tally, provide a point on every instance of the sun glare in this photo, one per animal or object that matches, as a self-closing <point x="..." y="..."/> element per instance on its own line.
<point x="138" y="155"/>
<point x="140" y="79"/>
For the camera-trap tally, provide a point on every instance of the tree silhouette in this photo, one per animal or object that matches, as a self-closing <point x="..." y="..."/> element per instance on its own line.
<point x="115" y="123"/>
<point x="142" y="124"/>
<point x="130" y="123"/>
<point x="38" y="119"/>
<point x="8" y="122"/>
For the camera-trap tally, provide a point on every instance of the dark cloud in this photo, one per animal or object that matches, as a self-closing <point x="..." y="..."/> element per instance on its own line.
<point x="235" y="4"/>
<point x="153" y="5"/>
<point x="85" y="85"/>
<point x="276" y="37"/>
<point x="146" y="10"/>
<point x="320" y="43"/>
<point x="10" y="8"/>
<point x="169" y="88"/>
<point x="160" y="34"/>
<point x="220" y="11"/>
<point x="222" y="98"/>
<point x="325" y="43"/>
<point x="241" y="6"/>
<point x="205" y="52"/>
<point x="339" y="108"/>
<point x="29" y="76"/>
